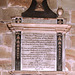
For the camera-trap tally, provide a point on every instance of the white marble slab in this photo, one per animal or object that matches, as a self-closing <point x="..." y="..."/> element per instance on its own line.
<point x="38" y="51"/>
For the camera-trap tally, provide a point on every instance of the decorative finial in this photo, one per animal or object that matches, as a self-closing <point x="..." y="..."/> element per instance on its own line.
<point x="60" y="12"/>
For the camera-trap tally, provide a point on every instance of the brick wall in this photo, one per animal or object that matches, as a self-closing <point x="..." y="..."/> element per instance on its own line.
<point x="10" y="8"/>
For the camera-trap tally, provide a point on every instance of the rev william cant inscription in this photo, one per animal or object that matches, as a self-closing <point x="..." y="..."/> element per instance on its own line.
<point x="38" y="51"/>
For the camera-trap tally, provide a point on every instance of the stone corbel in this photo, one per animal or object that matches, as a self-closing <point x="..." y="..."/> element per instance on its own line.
<point x="11" y="72"/>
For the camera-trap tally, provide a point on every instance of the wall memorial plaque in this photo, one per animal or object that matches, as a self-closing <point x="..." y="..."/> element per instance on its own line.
<point x="38" y="48"/>
<point x="38" y="51"/>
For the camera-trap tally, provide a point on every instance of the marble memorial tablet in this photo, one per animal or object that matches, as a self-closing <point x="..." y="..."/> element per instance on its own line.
<point x="39" y="51"/>
<point x="39" y="47"/>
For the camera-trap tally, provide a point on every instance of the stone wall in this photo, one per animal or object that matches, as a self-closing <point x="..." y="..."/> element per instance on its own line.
<point x="10" y="8"/>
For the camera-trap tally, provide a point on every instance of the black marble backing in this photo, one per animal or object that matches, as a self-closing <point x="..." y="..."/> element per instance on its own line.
<point x="18" y="50"/>
<point x="59" y="51"/>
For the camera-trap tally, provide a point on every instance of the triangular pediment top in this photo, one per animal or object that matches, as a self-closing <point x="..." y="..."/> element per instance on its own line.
<point x="39" y="9"/>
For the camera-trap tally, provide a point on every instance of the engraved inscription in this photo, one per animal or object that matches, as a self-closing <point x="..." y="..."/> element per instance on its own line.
<point x="38" y="51"/>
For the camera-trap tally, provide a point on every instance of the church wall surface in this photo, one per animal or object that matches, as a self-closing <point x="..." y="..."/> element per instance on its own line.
<point x="11" y="8"/>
